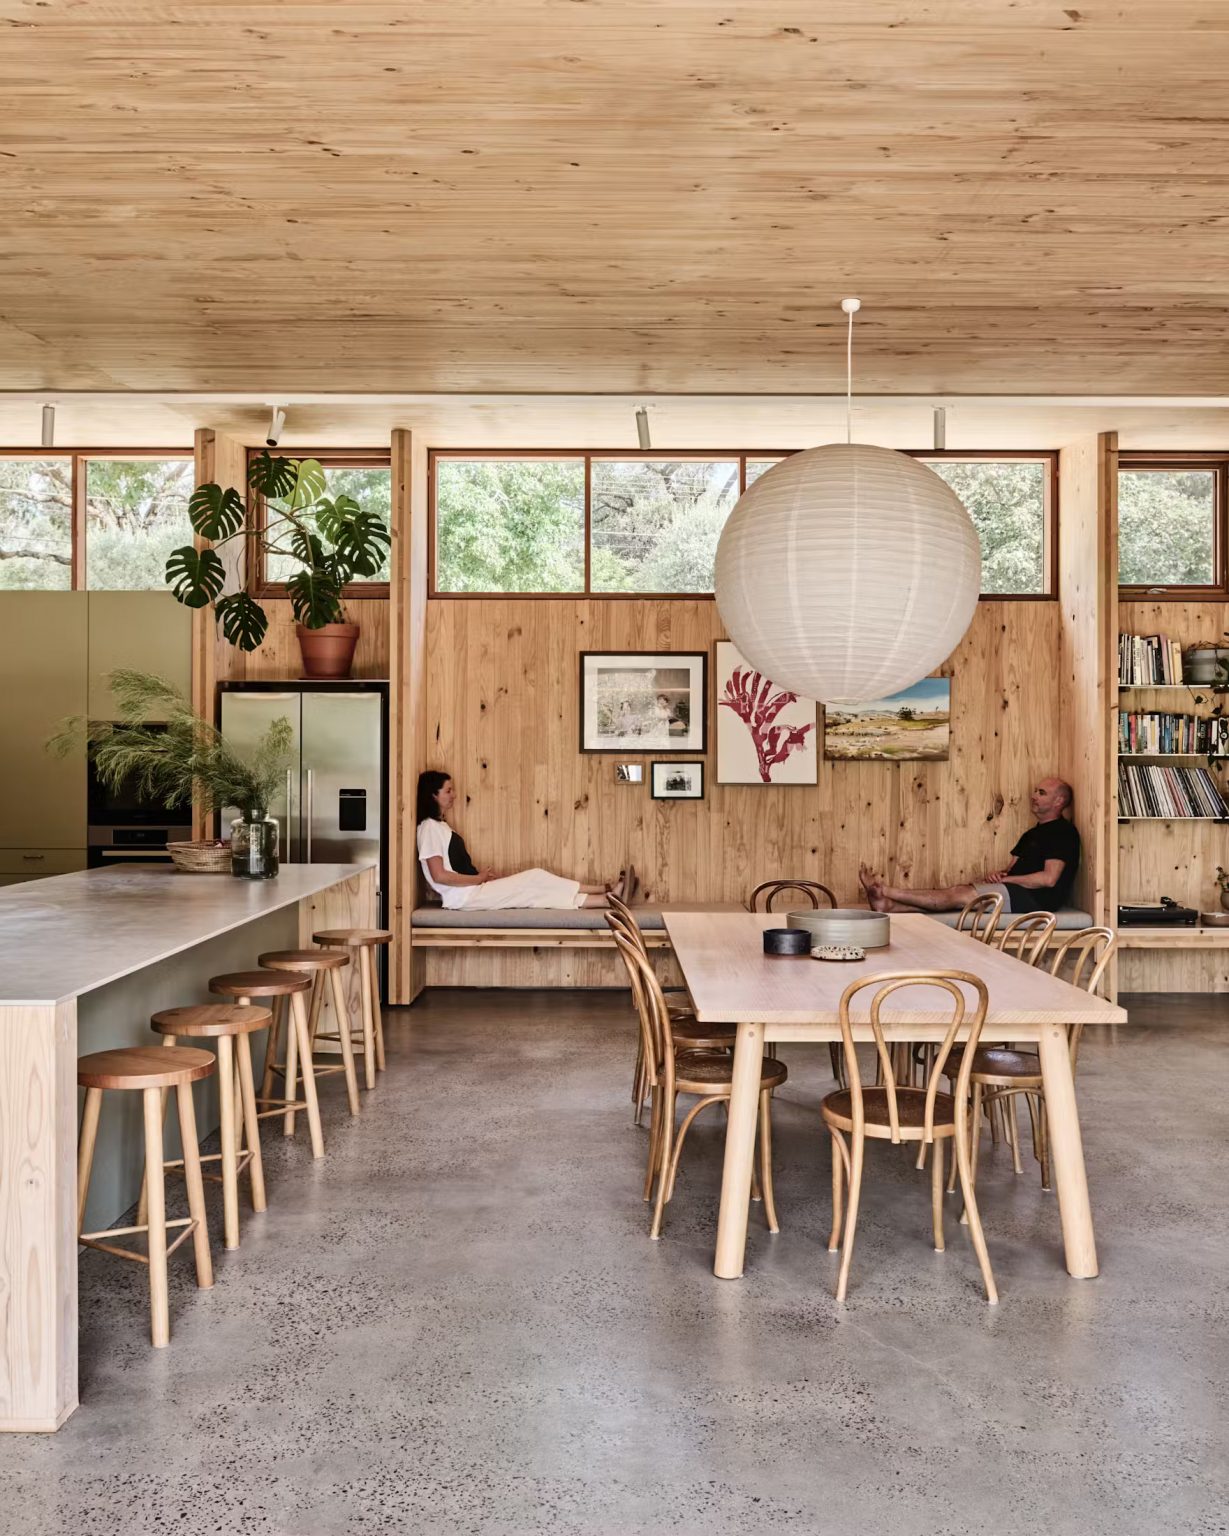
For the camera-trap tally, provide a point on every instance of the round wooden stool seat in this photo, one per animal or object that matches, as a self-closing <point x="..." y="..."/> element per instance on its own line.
<point x="144" y="1066"/>
<point x="354" y="937"/>
<point x="304" y="959"/>
<point x="263" y="983"/>
<point x="211" y="1020"/>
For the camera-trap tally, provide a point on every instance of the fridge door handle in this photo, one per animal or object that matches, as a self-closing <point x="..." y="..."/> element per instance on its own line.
<point x="308" y="818"/>
<point x="288" y="851"/>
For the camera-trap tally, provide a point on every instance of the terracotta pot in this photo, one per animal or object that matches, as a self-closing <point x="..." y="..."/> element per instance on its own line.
<point x="328" y="651"/>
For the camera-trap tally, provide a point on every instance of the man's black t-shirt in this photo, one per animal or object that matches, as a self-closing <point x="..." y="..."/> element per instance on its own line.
<point x="1047" y="840"/>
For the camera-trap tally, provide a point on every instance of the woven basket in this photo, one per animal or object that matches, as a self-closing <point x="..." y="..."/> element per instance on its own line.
<point x="205" y="858"/>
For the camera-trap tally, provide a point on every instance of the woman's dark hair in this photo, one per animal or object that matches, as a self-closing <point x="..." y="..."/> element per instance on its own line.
<point x="429" y="785"/>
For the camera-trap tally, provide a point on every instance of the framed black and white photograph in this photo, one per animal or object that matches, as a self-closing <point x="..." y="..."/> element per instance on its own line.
<point x="677" y="781"/>
<point x="643" y="701"/>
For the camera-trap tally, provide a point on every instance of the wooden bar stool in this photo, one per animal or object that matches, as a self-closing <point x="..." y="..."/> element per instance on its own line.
<point x="365" y="941"/>
<point x="149" y="1069"/>
<point x="286" y="992"/>
<point x="316" y="965"/>
<point x="230" y="1025"/>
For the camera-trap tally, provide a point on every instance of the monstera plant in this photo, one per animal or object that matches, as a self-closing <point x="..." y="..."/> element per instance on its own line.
<point x="332" y="539"/>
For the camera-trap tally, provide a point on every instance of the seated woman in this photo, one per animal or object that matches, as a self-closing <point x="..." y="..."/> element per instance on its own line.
<point x="450" y="872"/>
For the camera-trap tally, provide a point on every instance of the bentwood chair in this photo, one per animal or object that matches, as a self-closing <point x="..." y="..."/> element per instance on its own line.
<point x="1027" y="937"/>
<point x="688" y="1033"/>
<point x="764" y="897"/>
<point x="1000" y="1075"/>
<point x="979" y="917"/>
<point x="671" y="1073"/>
<point x="895" y="1112"/>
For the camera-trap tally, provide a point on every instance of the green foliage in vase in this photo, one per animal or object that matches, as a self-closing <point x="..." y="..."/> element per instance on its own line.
<point x="184" y="761"/>
<point x="326" y="540"/>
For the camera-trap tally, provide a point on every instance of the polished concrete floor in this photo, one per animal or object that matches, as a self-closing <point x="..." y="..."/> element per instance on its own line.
<point x="456" y="1323"/>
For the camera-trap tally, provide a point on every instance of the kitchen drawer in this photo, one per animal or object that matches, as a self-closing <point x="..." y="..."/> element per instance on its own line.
<point x="17" y="864"/>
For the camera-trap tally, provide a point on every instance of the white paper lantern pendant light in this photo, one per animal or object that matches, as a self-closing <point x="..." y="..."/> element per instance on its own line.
<point x="847" y="572"/>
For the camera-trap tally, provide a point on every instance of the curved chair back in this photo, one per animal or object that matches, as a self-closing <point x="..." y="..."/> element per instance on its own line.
<point x="886" y="984"/>
<point x="979" y="917"/>
<point x="655" y="1036"/>
<point x="1027" y="936"/>
<point x="768" y="892"/>
<point x="1087" y="952"/>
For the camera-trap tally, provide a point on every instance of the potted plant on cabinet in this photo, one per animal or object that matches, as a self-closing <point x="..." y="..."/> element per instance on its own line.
<point x="333" y="540"/>
<point x="186" y="760"/>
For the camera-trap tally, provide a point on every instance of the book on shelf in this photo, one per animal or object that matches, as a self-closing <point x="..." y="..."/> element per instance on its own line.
<point x="1148" y="661"/>
<point x="1164" y="732"/>
<point x="1156" y="791"/>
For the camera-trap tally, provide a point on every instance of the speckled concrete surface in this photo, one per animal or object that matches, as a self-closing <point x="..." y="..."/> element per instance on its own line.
<point x="457" y="1324"/>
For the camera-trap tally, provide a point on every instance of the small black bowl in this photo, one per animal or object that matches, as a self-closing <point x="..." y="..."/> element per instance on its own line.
<point x="787" y="941"/>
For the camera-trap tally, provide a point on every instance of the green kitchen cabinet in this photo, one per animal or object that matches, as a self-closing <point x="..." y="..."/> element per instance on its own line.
<point x="145" y="631"/>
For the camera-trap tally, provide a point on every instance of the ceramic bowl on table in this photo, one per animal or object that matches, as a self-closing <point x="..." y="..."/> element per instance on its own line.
<point x="844" y="926"/>
<point x="1214" y="919"/>
<point x="786" y="941"/>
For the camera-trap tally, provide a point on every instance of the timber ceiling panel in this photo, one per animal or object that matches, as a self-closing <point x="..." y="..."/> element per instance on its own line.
<point x="654" y="196"/>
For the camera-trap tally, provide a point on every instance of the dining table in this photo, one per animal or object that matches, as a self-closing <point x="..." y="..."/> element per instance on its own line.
<point x="778" y="998"/>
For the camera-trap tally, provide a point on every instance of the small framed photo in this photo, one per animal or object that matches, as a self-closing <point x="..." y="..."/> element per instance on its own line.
<point x="677" y="781"/>
<point x="643" y="701"/>
<point x="629" y="773"/>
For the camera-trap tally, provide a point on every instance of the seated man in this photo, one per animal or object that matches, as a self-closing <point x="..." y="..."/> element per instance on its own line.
<point x="1038" y="878"/>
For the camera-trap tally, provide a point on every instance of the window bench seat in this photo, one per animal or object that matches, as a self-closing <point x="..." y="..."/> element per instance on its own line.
<point x="530" y="927"/>
<point x="1069" y="919"/>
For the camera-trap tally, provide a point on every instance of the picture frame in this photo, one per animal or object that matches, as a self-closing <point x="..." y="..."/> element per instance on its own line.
<point x="765" y="734"/>
<point x="912" y="726"/>
<point x="644" y="701"/>
<point x="676" y="781"/>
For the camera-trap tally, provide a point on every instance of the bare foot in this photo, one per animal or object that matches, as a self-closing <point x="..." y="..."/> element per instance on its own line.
<point x="619" y="886"/>
<point x="869" y="879"/>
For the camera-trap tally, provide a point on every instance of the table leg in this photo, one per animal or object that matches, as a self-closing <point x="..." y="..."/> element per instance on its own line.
<point x="1067" y="1152"/>
<point x="739" y="1151"/>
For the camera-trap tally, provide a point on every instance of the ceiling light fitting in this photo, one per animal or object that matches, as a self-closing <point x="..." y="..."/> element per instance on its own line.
<point x="48" y="437"/>
<point x="642" y="429"/>
<point x="276" y="424"/>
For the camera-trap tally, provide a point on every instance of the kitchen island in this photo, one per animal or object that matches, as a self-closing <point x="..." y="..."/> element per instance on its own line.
<point x="84" y="960"/>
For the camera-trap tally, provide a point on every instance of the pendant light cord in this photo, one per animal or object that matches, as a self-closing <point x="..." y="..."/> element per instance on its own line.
<point x="851" y="308"/>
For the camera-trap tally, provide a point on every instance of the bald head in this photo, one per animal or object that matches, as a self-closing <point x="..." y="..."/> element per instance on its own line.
<point x="1051" y="798"/>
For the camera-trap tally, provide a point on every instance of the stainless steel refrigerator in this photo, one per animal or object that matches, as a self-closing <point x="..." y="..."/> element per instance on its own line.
<point x="334" y="806"/>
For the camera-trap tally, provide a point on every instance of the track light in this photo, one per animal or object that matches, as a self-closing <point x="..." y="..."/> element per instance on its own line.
<point x="277" y="422"/>
<point x="940" y="428"/>
<point x="642" y="428"/>
<point x="49" y="426"/>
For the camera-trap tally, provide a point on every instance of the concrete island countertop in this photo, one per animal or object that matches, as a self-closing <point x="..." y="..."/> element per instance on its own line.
<point x="68" y="934"/>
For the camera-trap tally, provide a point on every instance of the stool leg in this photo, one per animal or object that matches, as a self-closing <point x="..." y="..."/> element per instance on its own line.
<point x="317" y="1002"/>
<point x="376" y="1012"/>
<point x="369" y="1048"/>
<point x="196" y="1185"/>
<point x="292" y="1057"/>
<point x="230" y="1170"/>
<point x="299" y="1014"/>
<point x="271" y="1043"/>
<point x="155" y="1182"/>
<point x="143" y="1202"/>
<point x="343" y="1033"/>
<point x="247" y="1085"/>
<point x="85" y="1149"/>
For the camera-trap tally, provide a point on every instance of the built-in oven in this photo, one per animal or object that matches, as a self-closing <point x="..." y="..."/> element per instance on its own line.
<point x="126" y="827"/>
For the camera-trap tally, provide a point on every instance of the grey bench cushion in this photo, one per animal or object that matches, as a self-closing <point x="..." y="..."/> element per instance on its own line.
<point x="1069" y="919"/>
<point x="528" y="917"/>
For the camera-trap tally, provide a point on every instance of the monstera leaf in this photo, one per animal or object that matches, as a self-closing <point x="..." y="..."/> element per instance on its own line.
<point x="216" y="513"/>
<point x="309" y="486"/>
<point x="315" y="598"/>
<point x="273" y="478"/>
<point x="362" y="542"/>
<point x="331" y="516"/>
<point x="307" y="548"/>
<point x="195" y="576"/>
<point x="243" y="620"/>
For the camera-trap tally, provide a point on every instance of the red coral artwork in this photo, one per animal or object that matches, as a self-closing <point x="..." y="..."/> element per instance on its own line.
<point x="757" y="702"/>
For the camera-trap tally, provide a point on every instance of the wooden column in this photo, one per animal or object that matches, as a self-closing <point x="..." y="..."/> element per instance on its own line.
<point x="221" y="460"/>
<point x="1088" y="701"/>
<point x="407" y="703"/>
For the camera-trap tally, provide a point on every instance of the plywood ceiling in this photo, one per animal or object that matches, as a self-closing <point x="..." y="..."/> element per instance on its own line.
<point x="615" y="195"/>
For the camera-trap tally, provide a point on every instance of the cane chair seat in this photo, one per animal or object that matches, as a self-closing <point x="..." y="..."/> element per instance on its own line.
<point x="1012" y="1066"/>
<point x="910" y="1109"/>
<point x="690" y="1035"/>
<point x="144" y="1066"/>
<point x="697" y="1072"/>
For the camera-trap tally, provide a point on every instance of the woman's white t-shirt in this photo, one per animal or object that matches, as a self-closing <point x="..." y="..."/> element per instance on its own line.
<point x="434" y="841"/>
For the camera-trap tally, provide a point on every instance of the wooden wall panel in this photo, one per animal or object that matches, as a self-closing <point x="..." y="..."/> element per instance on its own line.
<point x="279" y="656"/>
<point x="407" y="701"/>
<point x="501" y="715"/>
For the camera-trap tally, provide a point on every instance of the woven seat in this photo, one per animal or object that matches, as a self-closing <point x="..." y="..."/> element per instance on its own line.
<point x="910" y="1110"/>
<point x="690" y="1035"/>
<point x="1012" y="1066"/>
<point x="697" y="1072"/>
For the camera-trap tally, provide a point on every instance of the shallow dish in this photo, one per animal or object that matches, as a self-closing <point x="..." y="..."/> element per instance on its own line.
<point x="1214" y="919"/>
<point x="845" y="925"/>
<point x="838" y="952"/>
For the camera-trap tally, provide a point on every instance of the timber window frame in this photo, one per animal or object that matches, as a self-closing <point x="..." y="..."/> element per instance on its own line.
<point x="1214" y="463"/>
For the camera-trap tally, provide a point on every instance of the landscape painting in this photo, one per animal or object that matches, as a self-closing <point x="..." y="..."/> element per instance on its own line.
<point x="914" y="725"/>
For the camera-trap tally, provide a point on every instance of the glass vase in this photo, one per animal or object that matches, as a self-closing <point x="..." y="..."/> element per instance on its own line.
<point x="253" y="846"/>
